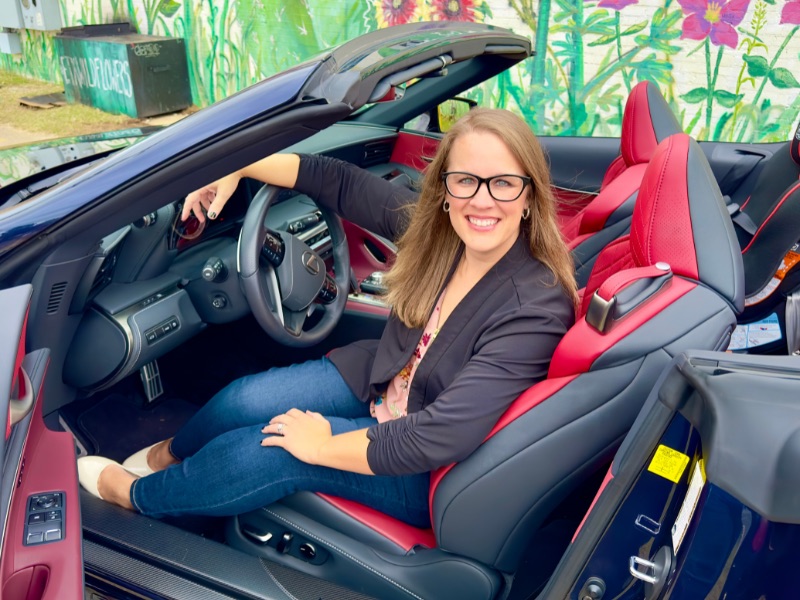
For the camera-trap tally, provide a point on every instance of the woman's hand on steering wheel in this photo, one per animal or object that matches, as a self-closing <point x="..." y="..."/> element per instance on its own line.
<point x="211" y="198"/>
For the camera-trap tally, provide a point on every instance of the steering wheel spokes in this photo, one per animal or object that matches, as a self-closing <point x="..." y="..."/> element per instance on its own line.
<point x="284" y="278"/>
<point x="301" y="273"/>
<point x="290" y="318"/>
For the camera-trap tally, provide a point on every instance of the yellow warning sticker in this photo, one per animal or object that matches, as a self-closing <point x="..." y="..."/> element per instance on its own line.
<point x="668" y="463"/>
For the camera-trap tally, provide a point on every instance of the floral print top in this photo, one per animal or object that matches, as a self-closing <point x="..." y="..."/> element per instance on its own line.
<point x="393" y="403"/>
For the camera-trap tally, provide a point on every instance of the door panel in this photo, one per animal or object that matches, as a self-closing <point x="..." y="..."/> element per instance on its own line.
<point x="39" y="488"/>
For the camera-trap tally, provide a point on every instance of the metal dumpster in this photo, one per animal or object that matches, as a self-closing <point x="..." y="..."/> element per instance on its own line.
<point x="115" y="69"/>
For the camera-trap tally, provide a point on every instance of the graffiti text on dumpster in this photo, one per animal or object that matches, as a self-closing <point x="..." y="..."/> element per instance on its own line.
<point x="102" y="73"/>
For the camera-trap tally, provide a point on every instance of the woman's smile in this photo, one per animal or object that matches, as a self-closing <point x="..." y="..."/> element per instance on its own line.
<point x="482" y="223"/>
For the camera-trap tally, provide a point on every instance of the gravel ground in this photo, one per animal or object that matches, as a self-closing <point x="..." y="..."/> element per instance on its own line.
<point x="11" y="136"/>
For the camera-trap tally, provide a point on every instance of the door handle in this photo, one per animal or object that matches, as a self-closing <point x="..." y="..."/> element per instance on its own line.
<point x="20" y="407"/>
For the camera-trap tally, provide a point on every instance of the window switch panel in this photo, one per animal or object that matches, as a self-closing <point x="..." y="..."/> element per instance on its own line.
<point x="45" y="518"/>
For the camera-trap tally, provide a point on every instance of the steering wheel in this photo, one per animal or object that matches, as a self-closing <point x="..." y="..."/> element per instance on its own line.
<point x="285" y="281"/>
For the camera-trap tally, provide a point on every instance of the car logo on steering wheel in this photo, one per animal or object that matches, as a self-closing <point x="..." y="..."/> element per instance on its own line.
<point x="311" y="263"/>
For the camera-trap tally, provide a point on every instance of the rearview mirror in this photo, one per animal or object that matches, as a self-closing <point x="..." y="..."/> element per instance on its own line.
<point x="450" y="111"/>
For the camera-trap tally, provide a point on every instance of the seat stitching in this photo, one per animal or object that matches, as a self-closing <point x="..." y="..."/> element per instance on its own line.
<point x="767" y="220"/>
<point x="278" y="583"/>
<point x="629" y="138"/>
<point x="662" y="175"/>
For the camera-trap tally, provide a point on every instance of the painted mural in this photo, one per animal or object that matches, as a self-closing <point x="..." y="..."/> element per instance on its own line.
<point x="728" y="68"/>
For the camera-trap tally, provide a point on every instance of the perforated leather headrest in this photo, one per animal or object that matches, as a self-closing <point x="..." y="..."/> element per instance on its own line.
<point x="794" y="145"/>
<point x="680" y="218"/>
<point x="647" y="121"/>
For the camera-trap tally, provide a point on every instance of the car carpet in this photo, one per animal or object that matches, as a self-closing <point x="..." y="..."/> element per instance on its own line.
<point x="119" y="423"/>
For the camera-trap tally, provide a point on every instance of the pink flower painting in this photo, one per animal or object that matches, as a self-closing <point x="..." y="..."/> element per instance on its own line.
<point x="713" y="19"/>
<point x="615" y="4"/>
<point x="791" y="12"/>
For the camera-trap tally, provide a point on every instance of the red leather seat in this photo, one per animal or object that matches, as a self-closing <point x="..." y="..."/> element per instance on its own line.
<point x="646" y="122"/>
<point x="674" y="283"/>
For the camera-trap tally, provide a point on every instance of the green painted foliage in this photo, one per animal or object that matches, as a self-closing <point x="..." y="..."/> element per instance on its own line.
<point x="587" y="59"/>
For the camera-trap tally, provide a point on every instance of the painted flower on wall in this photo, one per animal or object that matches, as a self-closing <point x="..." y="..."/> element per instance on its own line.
<point x="616" y="4"/>
<point x="790" y="13"/>
<point x="453" y="10"/>
<point x="714" y="19"/>
<point x="396" y="12"/>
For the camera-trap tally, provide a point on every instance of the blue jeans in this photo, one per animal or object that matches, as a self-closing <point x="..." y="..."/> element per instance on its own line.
<point x="226" y="471"/>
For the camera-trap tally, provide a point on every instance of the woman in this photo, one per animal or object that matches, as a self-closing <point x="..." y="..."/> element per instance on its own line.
<point x="482" y="291"/>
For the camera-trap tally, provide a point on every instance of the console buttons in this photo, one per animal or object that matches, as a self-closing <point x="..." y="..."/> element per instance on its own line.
<point x="162" y="329"/>
<point x="45" y="518"/>
<point x="151" y="299"/>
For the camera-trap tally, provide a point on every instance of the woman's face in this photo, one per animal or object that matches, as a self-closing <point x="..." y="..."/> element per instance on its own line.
<point x="487" y="227"/>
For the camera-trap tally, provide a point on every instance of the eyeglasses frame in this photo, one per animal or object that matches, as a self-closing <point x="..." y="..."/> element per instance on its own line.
<point x="526" y="181"/>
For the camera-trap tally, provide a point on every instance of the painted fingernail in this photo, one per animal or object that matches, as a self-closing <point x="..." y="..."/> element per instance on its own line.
<point x="212" y="215"/>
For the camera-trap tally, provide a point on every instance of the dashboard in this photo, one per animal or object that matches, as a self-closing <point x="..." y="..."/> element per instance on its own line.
<point x="159" y="281"/>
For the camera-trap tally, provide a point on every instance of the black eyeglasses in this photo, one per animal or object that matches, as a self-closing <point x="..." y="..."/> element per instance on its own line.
<point x="503" y="188"/>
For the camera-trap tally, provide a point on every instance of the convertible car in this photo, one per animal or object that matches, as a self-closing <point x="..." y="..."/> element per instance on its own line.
<point x="650" y="462"/>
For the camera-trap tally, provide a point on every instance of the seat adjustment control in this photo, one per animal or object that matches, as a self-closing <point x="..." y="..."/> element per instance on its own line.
<point x="307" y="551"/>
<point x="261" y="538"/>
<point x="284" y="543"/>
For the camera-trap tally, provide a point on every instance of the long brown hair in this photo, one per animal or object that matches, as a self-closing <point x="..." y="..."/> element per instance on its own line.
<point x="430" y="245"/>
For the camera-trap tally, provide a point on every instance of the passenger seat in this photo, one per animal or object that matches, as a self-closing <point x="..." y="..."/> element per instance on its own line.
<point x="646" y="122"/>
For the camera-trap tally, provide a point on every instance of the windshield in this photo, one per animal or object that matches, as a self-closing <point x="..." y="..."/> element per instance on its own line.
<point x="21" y="162"/>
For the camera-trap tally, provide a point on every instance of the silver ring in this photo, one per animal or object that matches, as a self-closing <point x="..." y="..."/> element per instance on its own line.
<point x="280" y="428"/>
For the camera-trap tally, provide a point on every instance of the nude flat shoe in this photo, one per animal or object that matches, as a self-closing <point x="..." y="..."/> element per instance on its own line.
<point x="137" y="463"/>
<point x="89" y="469"/>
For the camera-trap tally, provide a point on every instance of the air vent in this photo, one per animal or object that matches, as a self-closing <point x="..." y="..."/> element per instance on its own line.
<point x="106" y="272"/>
<point x="377" y="154"/>
<point x="56" y="295"/>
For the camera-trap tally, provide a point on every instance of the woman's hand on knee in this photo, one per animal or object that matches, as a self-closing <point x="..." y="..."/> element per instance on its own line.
<point x="303" y="434"/>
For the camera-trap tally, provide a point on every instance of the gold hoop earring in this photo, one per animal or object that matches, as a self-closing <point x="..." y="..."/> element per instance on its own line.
<point x="526" y="212"/>
<point x="446" y="206"/>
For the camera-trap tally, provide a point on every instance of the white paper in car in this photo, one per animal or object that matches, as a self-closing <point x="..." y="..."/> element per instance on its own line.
<point x="756" y="334"/>
<point x="689" y="505"/>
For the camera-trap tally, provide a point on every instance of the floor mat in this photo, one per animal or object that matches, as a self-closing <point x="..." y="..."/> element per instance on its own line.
<point x="119" y="424"/>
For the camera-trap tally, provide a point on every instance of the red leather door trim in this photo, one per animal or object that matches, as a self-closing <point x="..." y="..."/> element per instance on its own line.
<point x="411" y="149"/>
<point x="48" y="461"/>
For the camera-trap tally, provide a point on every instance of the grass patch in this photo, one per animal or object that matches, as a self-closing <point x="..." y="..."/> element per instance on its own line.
<point x="62" y="121"/>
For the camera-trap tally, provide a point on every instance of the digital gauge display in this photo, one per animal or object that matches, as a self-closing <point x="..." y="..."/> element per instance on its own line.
<point x="185" y="231"/>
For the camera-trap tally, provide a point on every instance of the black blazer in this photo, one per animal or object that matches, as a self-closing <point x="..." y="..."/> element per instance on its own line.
<point x="496" y="343"/>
